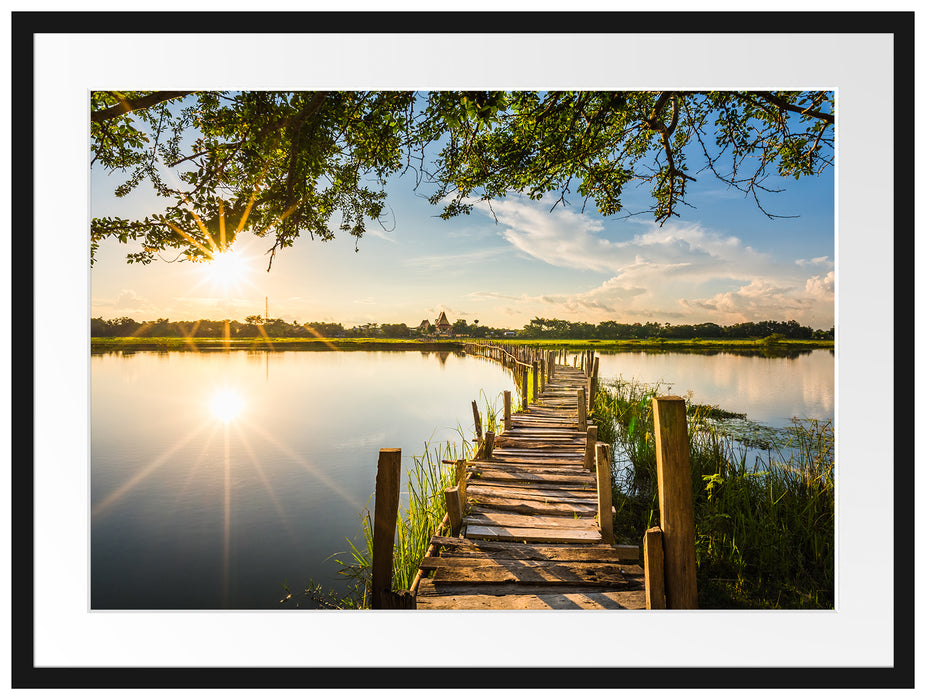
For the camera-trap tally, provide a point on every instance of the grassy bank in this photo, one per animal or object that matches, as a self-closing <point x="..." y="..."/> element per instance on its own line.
<point x="101" y="345"/>
<point x="130" y="344"/>
<point x="764" y="525"/>
<point x="670" y="344"/>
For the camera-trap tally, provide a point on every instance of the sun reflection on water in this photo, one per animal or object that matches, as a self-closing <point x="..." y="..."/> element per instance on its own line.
<point x="226" y="404"/>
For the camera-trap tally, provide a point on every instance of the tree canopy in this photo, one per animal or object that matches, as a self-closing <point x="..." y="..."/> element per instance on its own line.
<point x="282" y="164"/>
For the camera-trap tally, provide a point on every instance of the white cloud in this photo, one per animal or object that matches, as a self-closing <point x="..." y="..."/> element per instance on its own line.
<point x="822" y="286"/>
<point x="454" y="260"/>
<point x="376" y="233"/>
<point x="128" y="299"/>
<point x="823" y="261"/>
<point x="673" y="271"/>
<point x="568" y="239"/>
<point x="811" y="304"/>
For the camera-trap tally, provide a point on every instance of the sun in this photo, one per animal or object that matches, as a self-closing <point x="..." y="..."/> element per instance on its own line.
<point x="227" y="269"/>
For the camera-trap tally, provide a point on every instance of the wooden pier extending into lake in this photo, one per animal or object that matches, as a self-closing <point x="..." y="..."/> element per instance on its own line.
<point x="529" y="522"/>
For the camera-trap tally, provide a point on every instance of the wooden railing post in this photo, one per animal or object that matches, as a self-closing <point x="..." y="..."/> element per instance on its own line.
<point x="676" y="513"/>
<point x="536" y="379"/>
<point x="603" y="468"/>
<point x="460" y="478"/>
<point x="583" y="416"/>
<point x="507" y="410"/>
<point x="454" y="509"/>
<point x="524" y="399"/>
<point x="653" y="569"/>
<point x="489" y="444"/>
<point x="386" y="510"/>
<point x="477" y="419"/>
<point x="593" y="385"/>
<point x="591" y="437"/>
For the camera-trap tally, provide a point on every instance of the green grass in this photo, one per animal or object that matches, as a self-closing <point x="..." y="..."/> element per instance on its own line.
<point x="765" y="530"/>
<point x="260" y="343"/>
<point x="670" y="343"/>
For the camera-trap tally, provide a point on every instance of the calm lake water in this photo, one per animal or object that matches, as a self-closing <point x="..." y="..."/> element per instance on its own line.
<point x="217" y="477"/>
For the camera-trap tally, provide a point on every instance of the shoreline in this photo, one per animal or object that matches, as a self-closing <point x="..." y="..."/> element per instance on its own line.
<point x="98" y="344"/>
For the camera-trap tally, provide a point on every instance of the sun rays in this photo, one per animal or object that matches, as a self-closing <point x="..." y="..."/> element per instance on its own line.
<point x="231" y="450"/>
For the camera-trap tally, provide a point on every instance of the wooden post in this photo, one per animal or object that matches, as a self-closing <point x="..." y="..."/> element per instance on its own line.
<point x="580" y="401"/>
<point x="402" y="600"/>
<point x="653" y="569"/>
<point x="676" y="514"/>
<point x="603" y="468"/>
<point x="536" y="379"/>
<point x="454" y="509"/>
<point x="460" y="476"/>
<point x="507" y="410"/>
<point x="591" y="437"/>
<point x="386" y="511"/>
<point x="543" y="372"/>
<point x="478" y="420"/>
<point x="524" y="400"/>
<point x="489" y="443"/>
<point x="593" y="385"/>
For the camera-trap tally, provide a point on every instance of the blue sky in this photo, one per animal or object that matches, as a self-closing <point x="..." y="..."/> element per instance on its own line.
<point x="723" y="261"/>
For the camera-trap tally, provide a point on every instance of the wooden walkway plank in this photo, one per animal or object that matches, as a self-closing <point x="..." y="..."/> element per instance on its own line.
<point x="530" y="539"/>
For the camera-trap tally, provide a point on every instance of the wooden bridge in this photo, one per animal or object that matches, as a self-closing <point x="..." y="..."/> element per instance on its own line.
<point x="529" y="523"/>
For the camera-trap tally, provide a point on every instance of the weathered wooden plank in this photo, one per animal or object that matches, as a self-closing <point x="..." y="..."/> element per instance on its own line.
<point x="529" y="534"/>
<point x="539" y="507"/>
<point x="523" y="448"/>
<point x="538" y="493"/>
<point x="487" y="501"/>
<point x="530" y="470"/>
<point x="479" y="517"/>
<point x="540" y="457"/>
<point x="512" y="563"/>
<point x="553" y="600"/>
<point x="499" y="478"/>
<point x="546" y="466"/>
<point x="488" y="571"/>
<point x="569" y="433"/>
<point x="455" y="546"/>
<point x="524" y="443"/>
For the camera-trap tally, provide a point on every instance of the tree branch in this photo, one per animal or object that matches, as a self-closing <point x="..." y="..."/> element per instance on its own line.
<point x="782" y="104"/>
<point x="126" y="106"/>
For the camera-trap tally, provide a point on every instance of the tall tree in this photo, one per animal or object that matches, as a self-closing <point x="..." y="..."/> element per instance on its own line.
<point x="282" y="164"/>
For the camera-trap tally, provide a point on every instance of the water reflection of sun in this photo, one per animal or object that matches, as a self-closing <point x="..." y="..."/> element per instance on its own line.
<point x="226" y="404"/>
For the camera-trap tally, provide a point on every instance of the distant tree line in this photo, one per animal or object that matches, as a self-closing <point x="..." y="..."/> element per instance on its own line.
<point x="257" y="326"/>
<point x="612" y="330"/>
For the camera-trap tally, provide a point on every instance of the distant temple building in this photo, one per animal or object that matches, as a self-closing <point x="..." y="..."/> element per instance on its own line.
<point x="424" y="327"/>
<point x="443" y="326"/>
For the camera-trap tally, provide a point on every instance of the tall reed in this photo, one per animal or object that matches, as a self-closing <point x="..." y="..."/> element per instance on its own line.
<point x="431" y="473"/>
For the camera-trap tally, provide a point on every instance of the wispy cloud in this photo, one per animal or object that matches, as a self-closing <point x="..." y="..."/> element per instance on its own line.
<point x="455" y="260"/>
<point x="659" y="272"/>
<point x="376" y="233"/>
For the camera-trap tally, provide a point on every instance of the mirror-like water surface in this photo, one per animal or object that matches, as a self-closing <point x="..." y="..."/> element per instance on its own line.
<point x="217" y="477"/>
<point x="769" y="390"/>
